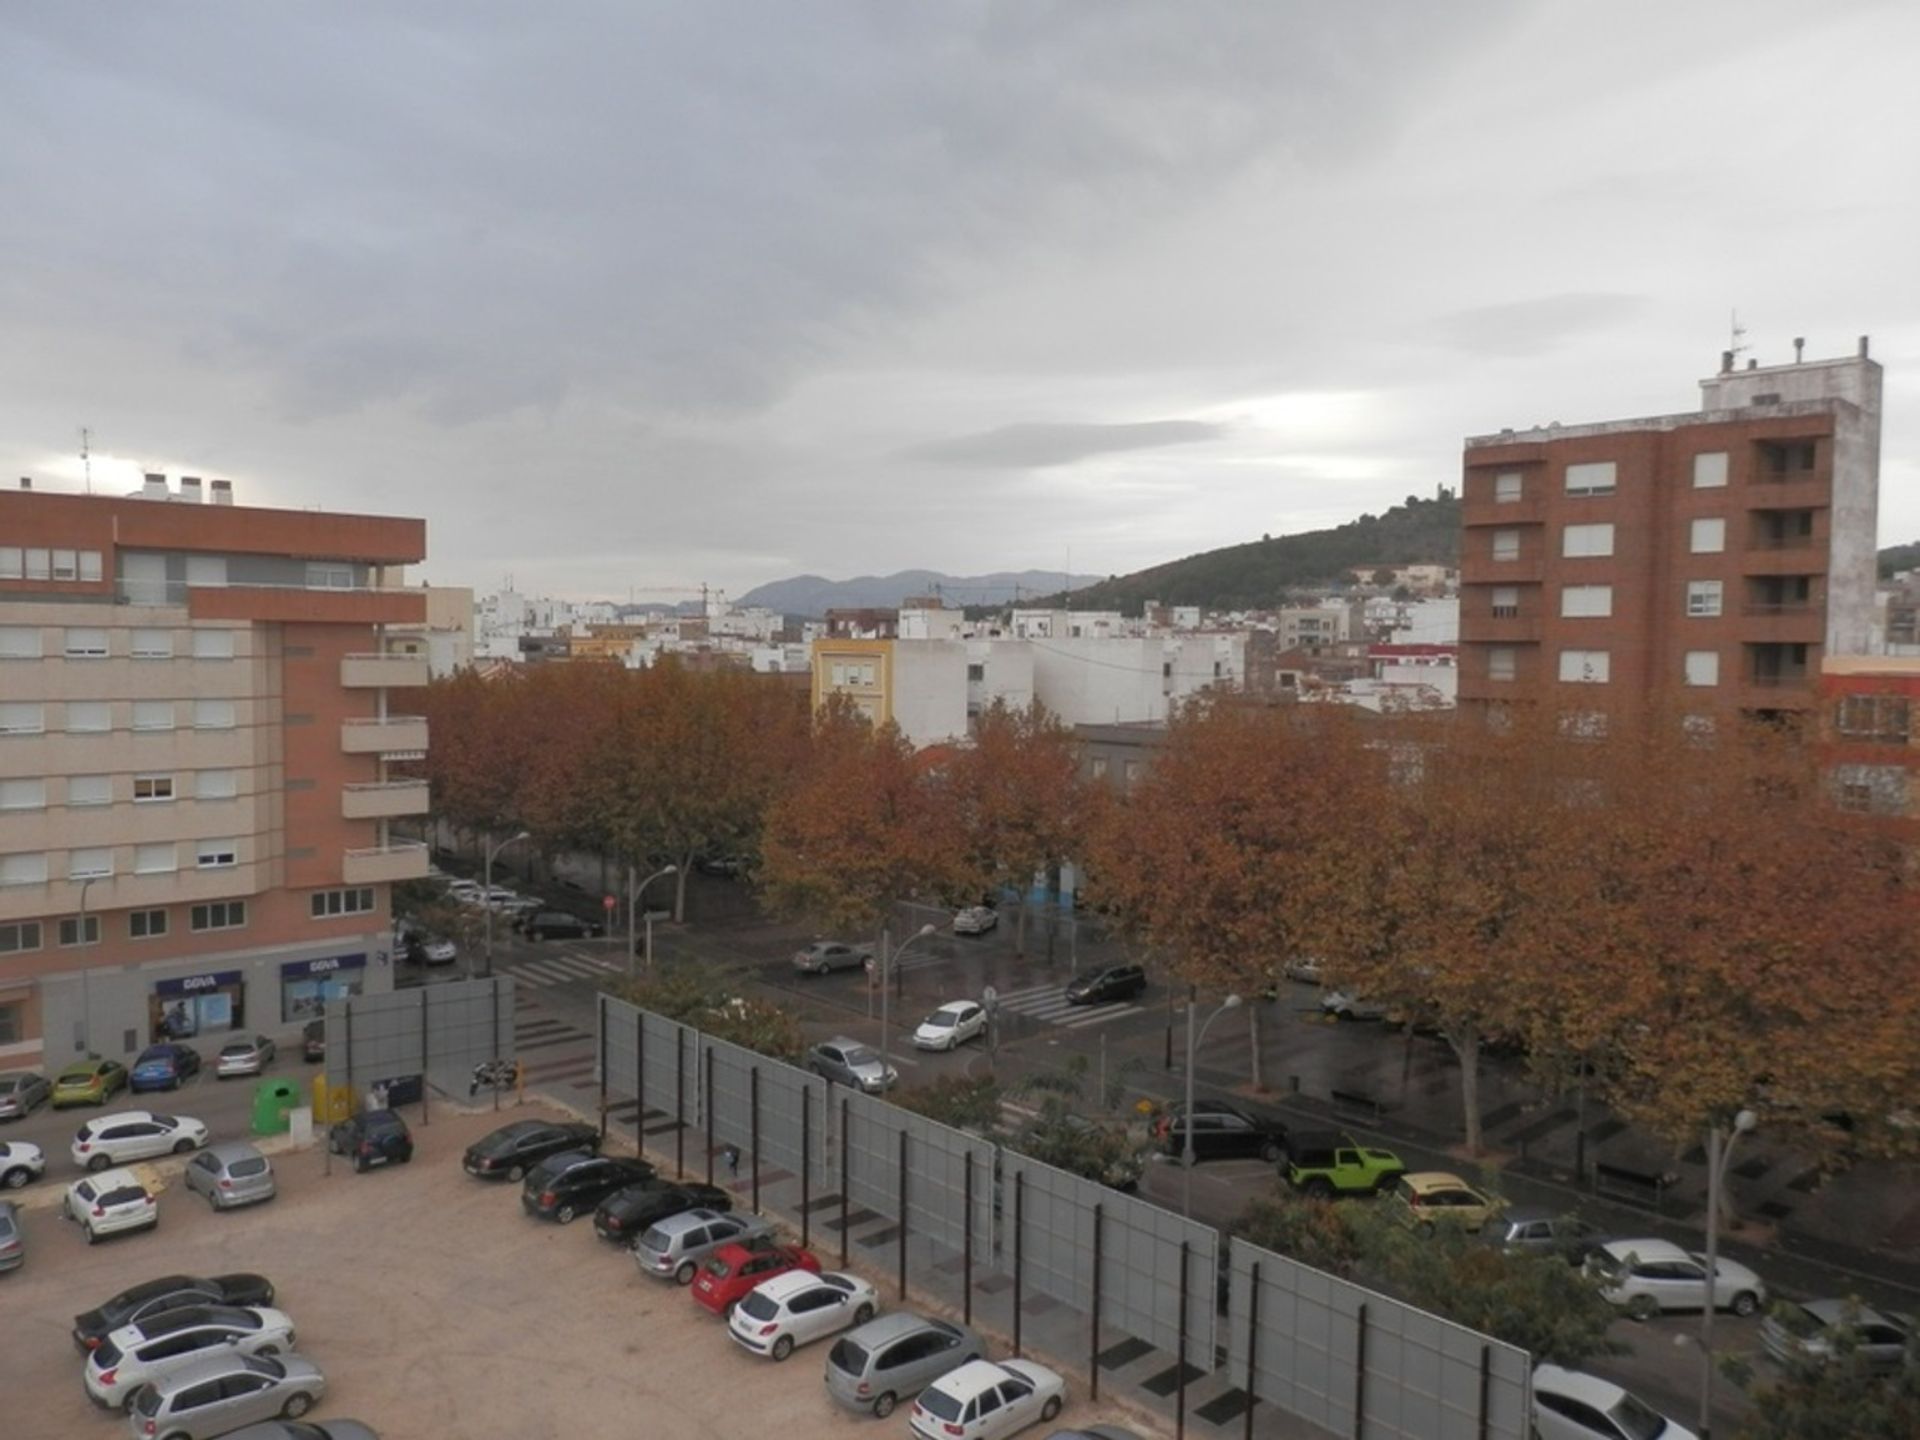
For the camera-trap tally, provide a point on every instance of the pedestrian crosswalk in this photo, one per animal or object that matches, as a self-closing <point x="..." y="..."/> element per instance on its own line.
<point x="1049" y="1005"/>
<point x="561" y="968"/>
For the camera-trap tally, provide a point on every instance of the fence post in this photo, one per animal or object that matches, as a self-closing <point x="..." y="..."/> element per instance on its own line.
<point x="806" y="1165"/>
<point x="680" y="1101"/>
<point x="903" y="1212"/>
<point x="844" y="1184"/>
<point x="493" y="1036"/>
<point x="426" y="1082"/>
<point x="753" y="1129"/>
<point x="1486" y="1385"/>
<point x="600" y="1001"/>
<point x="1253" y="1345"/>
<point x="1019" y="1257"/>
<point x="1093" y="1322"/>
<point x="353" y="1086"/>
<point x="639" y="1081"/>
<point x="706" y="1105"/>
<point x="966" y="1245"/>
<point x="1180" y="1360"/>
<point x="1360" y="1372"/>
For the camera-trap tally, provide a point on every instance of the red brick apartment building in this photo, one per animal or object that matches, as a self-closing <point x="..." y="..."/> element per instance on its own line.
<point x="196" y="730"/>
<point x="1870" y="728"/>
<point x="1717" y="557"/>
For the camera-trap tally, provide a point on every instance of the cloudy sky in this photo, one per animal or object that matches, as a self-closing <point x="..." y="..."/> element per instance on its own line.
<point x="645" y="295"/>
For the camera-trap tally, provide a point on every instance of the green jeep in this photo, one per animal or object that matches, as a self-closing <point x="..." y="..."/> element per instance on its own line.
<point x="1328" y="1162"/>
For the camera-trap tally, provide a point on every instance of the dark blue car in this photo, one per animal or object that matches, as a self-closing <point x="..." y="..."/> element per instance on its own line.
<point x="166" y="1066"/>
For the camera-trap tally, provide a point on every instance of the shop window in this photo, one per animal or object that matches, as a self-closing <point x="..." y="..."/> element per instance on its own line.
<point x="13" y="1018"/>
<point x="307" y="985"/>
<point x="196" y="1005"/>
<point x="219" y="915"/>
<point x="146" y="924"/>
<point x="23" y="935"/>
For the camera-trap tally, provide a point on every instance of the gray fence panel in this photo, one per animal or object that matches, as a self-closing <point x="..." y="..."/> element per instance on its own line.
<point x="665" y="1051"/>
<point x="439" y="1031"/>
<point x="729" y="1068"/>
<point x="872" y="1148"/>
<point x="937" y="1183"/>
<point x="620" y="1058"/>
<point x="785" y="1091"/>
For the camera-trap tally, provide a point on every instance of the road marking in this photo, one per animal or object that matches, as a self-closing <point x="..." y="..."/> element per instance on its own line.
<point x="1049" y="1005"/>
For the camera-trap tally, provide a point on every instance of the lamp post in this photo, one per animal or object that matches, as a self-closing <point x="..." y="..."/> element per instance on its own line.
<point x="1232" y="1002"/>
<point x="86" y="972"/>
<point x="887" y="961"/>
<point x="634" y="892"/>
<point x="1719" y="1152"/>
<point x="486" y="893"/>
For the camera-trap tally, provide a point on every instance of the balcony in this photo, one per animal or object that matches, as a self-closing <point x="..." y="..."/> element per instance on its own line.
<point x="1786" y="623"/>
<point x="395" y="737"/>
<point x="1797" y="555"/>
<point x="1527" y="510"/>
<point x="386" y="801"/>
<point x="374" y="672"/>
<point x="383" y="864"/>
<point x="291" y="604"/>
<point x="1501" y="629"/>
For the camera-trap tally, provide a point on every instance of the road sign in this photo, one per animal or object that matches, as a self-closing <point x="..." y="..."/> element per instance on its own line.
<point x="608" y="902"/>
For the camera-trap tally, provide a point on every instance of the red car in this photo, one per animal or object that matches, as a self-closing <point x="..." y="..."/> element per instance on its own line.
<point x="733" y="1270"/>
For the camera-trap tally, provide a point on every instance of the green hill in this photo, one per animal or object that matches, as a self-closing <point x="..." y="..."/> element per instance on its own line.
<point x="1899" y="557"/>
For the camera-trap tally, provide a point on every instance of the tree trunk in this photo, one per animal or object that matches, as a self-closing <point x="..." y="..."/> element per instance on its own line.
<point x="680" y="890"/>
<point x="1466" y="1048"/>
<point x="1253" y="1035"/>
<point x="1020" y="931"/>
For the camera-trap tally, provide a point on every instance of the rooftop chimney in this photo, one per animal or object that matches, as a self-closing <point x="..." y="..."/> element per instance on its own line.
<point x="222" y="492"/>
<point x="1799" y="344"/>
<point x="1726" y="362"/>
<point x="190" y="489"/>
<point x="26" y="482"/>
<point x="1863" y="347"/>
<point x="1753" y="364"/>
<point x="155" y="488"/>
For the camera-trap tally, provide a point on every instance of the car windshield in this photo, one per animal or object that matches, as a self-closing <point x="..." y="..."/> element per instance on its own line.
<point x="261" y="1365"/>
<point x="1636" y="1421"/>
<point x="859" y="1055"/>
<point x="940" y="1404"/>
<point x="239" y="1047"/>
<point x="941" y="1020"/>
<point x="8" y="1085"/>
<point x="758" y="1306"/>
<point x="848" y="1357"/>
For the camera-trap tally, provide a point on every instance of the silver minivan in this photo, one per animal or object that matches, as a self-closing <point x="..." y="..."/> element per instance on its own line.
<point x="676" y="1245"/>
<point x="231" y="1173"/>
<point x="221" y="1393"/>
<point x="894" y="1358"/>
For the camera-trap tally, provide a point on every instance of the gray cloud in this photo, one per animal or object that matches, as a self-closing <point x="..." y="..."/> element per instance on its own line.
<point x="1034" y="446"/>
<point x="1533" y="327"/>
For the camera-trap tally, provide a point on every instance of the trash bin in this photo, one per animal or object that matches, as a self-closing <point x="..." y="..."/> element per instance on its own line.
<point x="272" y="1100"/>
<point x="402" y="1089"/>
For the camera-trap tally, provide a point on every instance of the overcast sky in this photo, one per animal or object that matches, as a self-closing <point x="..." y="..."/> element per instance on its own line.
<point x="645" y="295"/>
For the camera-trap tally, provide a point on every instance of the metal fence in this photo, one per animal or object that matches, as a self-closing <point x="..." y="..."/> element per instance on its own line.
<point x="440" y="1034"/>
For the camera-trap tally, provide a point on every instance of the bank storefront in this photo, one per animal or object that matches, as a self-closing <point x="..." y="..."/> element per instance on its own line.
<point x="307" y="985"/>
<point x="213" y="1002"/>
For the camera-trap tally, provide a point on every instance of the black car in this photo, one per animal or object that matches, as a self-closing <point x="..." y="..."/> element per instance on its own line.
<point x="373" y="1137"/>
<point x="1222" y="1132"/>
<point x="559" y="925"/>
<point x="168" y="1293"/>
<point x="512" y="1150"/>
<point x="567" y="1184"/>
<point x="1116" y="982"/>
<point x="625" y="1215"/>
<point x="313" y="1040"/>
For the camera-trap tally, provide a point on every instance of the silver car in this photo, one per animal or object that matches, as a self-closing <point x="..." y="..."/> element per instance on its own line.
<point x="147" y="1353"/>
<point x="825" y="955"/>
<point x="676" y="1245"/>
<point x="1815" y="1331"/>
<point x="328" y="1429"/>
<point x="231" y="1173"/>
<point x="22" y="1092"/>
<point x="848" y="1062"/>
<point x="220" y="1394"/>
<point x="13" y="1244"/>
<point x="894" y="1358"/>
<point x="244" y="1057"/>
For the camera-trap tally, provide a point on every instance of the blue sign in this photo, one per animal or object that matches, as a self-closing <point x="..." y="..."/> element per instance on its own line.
<point x="197" y="984"/>
<point x="307" y="969"/>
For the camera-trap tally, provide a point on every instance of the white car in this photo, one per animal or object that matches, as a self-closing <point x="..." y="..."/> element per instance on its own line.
<point x="1345" y="1005"/>
<point x="984" y="1400"/>
<point x="112" y="1201"/>
<point x="244" y="1057"/>
<point x="800" y="1307"/>
<point x="951" y="1026"/>
<point x="1645" y="1277"/>
<point x="439" y="952"/>
<point x="1570" y="1405"/>
<point x="135" y="1135"/>
<point x="135" y="1355"/>
<point x="975" y="920"/>
<point x="19" y="1163"/>
<point x="464" y="889"/>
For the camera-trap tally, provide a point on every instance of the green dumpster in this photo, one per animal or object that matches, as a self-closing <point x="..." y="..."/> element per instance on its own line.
<point x="272" y="1100"/>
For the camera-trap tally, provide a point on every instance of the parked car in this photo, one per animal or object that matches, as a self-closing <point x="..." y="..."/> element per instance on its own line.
<point x="129" y="1135"/>
<point x="498" y="898"/>
<point x="559" y="925"/>
<point x="975" y="920"/>
<point x="13" y="1244"/>
<point x="231" y="1174"/>
<point x="512" y="1150"/>
<point x="313" y="1040"/>
<point x="165" y="1066"/>
<point x="848" y="1062"/>
<point x="1325" y="1163"/>
<point x="464" y="889"/>
<point x="676" y="1246"/>
<point x="112" y="1201"/>
<point x="423" y="948"/>
<point x="520" y="911"/>
<point x="731" y="1271"/>
<point x="1816" y="1330"/>
<point x="951" y="1026"/>
<point x="629" y="1212"/>
<point x="328" y="1429"/>
<point x="1428" y="1199"/>
<point x="88" y="1082"/>
<point x="1537" y="1230"/>
<point x="1222" y="1132"/>
<point x="798" y="1308"/>
<point x="726" y="867"/>
<point x="20" y="1162"/>
<point x="1345" y="1005"/>
<point x="983" y="1400"/>
<point x="1572" y="1405"/>
<point x="217" y="1395"/>
<point x="22" y="1092"/>
<point x="824" y="955"/>
<point x="169" y="1292"/>
<point x="1102" y="987"/>
<point x="1645" y="1277"/>
<point x="895" y="1357"/>
<point x="373" y="1137"/>
<point x="1097" y="1432"/>
<point x="575" y="1181"/>
<point x="148" y="1351"/>
<point x="1303" y="968"/>
<point x="244" y="1057"/>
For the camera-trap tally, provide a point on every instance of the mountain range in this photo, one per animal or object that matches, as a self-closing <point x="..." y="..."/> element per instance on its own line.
<point x="811" y="596"/>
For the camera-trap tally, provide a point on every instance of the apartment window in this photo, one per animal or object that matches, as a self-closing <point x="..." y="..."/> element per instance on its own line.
<point x="1584" y="667"/>
<point x="90" y="565"/>
<point x="153" y="714"/>
<point x="216" y="854"/>
<point x="18" y="718"/>
<point x="66" y="565"/>
<point x="1506" y="487"/>
<point x="1703" y="667"/>
<point x="213" y="644"/>
<point x="1875" y="717"/>
<point x="1584" y="725"/>
<point x="321" y="576"/>
<point x="23" y="869"/>
<point x="17" y="937"/>
<point x="88" y="644"/>
<point x="1710" y="470"/>
<point x="1506" y="602"/>
<point x="146" y="924"/>
<point x="1699" y="729"/>
<point x="19" y="642"/>
<point x="209" y="570"/>
<point x="976" y="673"/>
<point x="151" y="645"/>
<point x="1871" y="789"/>
<point x="1594" y="478"/>
<point x="91" y="864"/>
<point x="1703" y="598"/>
<point x="160" y="858"/>
<point x="91" y="717"/>
<point x="70" y="932"/>
<point x="11" y="565"/>
<point x="216" y="785"/>
<point x="153" y="787"/>
<point x="1099" y="767"/>
<point x="1500" y="662"/>
<point x="1708" y="535"/>
<point x="23" y="794"/>
<point x="213" y="714"/>
<point x="39" y="564"/>
<point x="1579" y="542"/>
<point x="328" y="903"/>
<point x="89" y="790"/>
<point x="1586" y="602"/>
<point x="220" y="915"/>
<point x="1506" y="544"/>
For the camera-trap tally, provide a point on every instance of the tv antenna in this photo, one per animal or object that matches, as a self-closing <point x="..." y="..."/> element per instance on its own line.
<point x="1737" y="342"/>
<point x="86" y="456"/>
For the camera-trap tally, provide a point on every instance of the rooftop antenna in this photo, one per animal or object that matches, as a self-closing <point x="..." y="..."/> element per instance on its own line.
<point x="86" y="455"/>
<point x="1737" y="343"/>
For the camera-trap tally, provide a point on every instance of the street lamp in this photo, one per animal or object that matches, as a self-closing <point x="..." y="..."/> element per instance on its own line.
<point x="486" y="894"/>
<point x="1719" y="1152"/>
<point x="634" y="892"/>
<point x="1232" y="1002"/>
<point x="86" y="971"/>
<point x="887" y="961"/>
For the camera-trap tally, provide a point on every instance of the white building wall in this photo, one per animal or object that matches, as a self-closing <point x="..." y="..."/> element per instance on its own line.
<point x="1006" y="673"/>
<point x="1429" y="622"/>
<point x="930" y="690"/>
<point x="925" y="624"/>
<point x="1090" y="681"/>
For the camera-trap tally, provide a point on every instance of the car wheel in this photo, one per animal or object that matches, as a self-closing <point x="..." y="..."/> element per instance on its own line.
<point x="1745" y="1303"/>
<point x="99" y="1163"/>
<point x="16" y="1177"/>
<point x="296" y="1406"/>
<point x="883" y="1405"/>
<point x="516" y="1173"/>
<point x="1271" y="1153"/>
<point x="182" y="1147"/>
<point x="1319" y="1189"/>
<point x="565" y="1214"/>
<point x="684" y="1275"/>
<point x="1051" y="1408"/>
<point x="359" y="1164"/>
<point x="1642" y="1307"/>
<point x="91" y="1237"/>
<point x="783" y="1347"/>
<point x="863" y="1314"/>
<point x="268" y="1350"/>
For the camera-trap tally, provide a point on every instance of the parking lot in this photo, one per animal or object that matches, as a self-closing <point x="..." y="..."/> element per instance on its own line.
<point x="433" y="1306"/>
